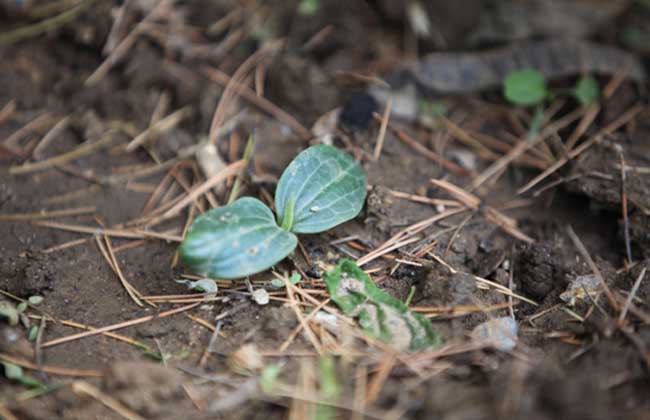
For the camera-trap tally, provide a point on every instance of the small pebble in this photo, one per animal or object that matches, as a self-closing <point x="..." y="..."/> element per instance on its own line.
<point x="500" y="333"/>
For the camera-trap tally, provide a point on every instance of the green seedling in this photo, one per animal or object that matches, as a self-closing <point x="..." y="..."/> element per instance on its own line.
<point x="308" y="7"/>
<point x="320" y="189"/>
<point x="528" y="88"/>
<point x="525" y="88"/>
<point x="586" y="90"/>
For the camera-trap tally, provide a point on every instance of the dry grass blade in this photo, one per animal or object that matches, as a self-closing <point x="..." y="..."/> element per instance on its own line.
<point x="51" y="135"/>
<point x="310" y="333"/>
<point x="6" y="414"/>
<point x="118" y="233"/>
<point x="299" y="327"/>
<point x="232" y="169"/>
<point x="112" y="262"/>
<point x="81" y="387"/>
<point x="245" y="92"/>
<point x="159" y="127"/>
<point x="420" y="148"/>
<point x="404" y="234"/>
<point x="52" y="370"/>
<point x="610" y="128"/>
<point x="626" y="222"/>
<point x="30" y="31"/>
<point x="377" y="383"/>
<point x="37" y="123"/>
<point x="120" y="325"/>
<point x="594" y="268"/>
<point x="125" y="45"/>
<point x="46" y="214"/>
<point x="523" y="146"/>
<point x="630" y="297"/>
<point x="491" y="214"/>
<point x="382" y="129"/>
<point x="64" y="158"/>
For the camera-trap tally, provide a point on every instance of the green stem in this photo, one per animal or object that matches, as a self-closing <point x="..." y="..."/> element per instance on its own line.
<point x="287" y="220"/>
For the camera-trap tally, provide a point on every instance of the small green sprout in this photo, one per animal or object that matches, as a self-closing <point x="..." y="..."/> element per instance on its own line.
<point x="586" y="90"/>
<point x="308" y="7"/>
<point x="321" y="188"/>
<point x="525" y="87"/>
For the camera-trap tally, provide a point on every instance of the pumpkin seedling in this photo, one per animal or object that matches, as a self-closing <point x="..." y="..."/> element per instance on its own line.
<point x="320" y="189"/>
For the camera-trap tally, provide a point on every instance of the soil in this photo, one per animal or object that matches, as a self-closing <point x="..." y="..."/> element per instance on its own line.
<point x="571" y="362"/>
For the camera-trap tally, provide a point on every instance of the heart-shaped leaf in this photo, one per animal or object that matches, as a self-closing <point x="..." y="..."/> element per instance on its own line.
<point x="321" y="188"/>
<point x="236" y="241"/>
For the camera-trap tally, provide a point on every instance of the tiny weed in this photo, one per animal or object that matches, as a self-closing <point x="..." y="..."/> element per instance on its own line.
<point x="321" y="188"/>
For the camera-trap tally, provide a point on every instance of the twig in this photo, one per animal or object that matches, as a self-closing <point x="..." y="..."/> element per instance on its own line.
<point x="613" y="126"/>
<point x="81" y="387"/>
<point x="46" y="214"/>
<point x="310" y="334"/>
<point x="248" y="94"/>
<point x="594" y="268"/>
<point x="118" y="52"/>
<point x="287" y="342"/>
<point x="420" y="148"/>
<point x="229" y="170"/>
<point x="110" y="258"/>
<point x="80" y="151"/>
<point x="132" y="234"/>
<point x="54" y="132"/>
<point x="52" y="370"/>
<point x="6" y="414"/>
<point x="43" y="26"/>
<point x="626" y="222"/>
<point x="630" y="297"/>
<point x="159" y="127"/>
<point x="120" y="325"/>
<point x="521" y="147"/>
<point x="382" y="128"/>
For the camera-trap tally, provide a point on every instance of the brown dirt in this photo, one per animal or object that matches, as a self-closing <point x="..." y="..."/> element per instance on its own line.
<point x="561" y="369"/>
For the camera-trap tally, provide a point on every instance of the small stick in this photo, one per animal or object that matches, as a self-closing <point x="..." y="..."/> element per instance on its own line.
<point x="112" y="262"/>
<point x="120" y="325"/>
<point x="377" y="383"/>
<point x="420" y="148"/>
<point x="52" y="370"/>
<point x="125" y="45"/>
<point x="382" y="128"/>
<point x="118" y="337"/>
<point x="523" y="146"/>
<point x="6" y="414"/>
<point x="630" y="297"/>
<point x="54" y="132"/>
<point x="264" y="104"/>
<point x="30" y="31"/>
<point x="80" y="387"/>
<point x="299" y="327"/>
<point x="64" y="158"/>
<point x="15" y="217"/>
<point x="610" y="128"/>
<point x="7" y="111"/>
<point x="594" y="268"/>
<point x="132" y="234"/>
<point x="425" y="200"/>
<point x="36" y="124"/>
<point x="159" y="127"/>
<point x="229" y="170"/>
<point x="303" y="322"/>
<point x="626" y="222"/>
